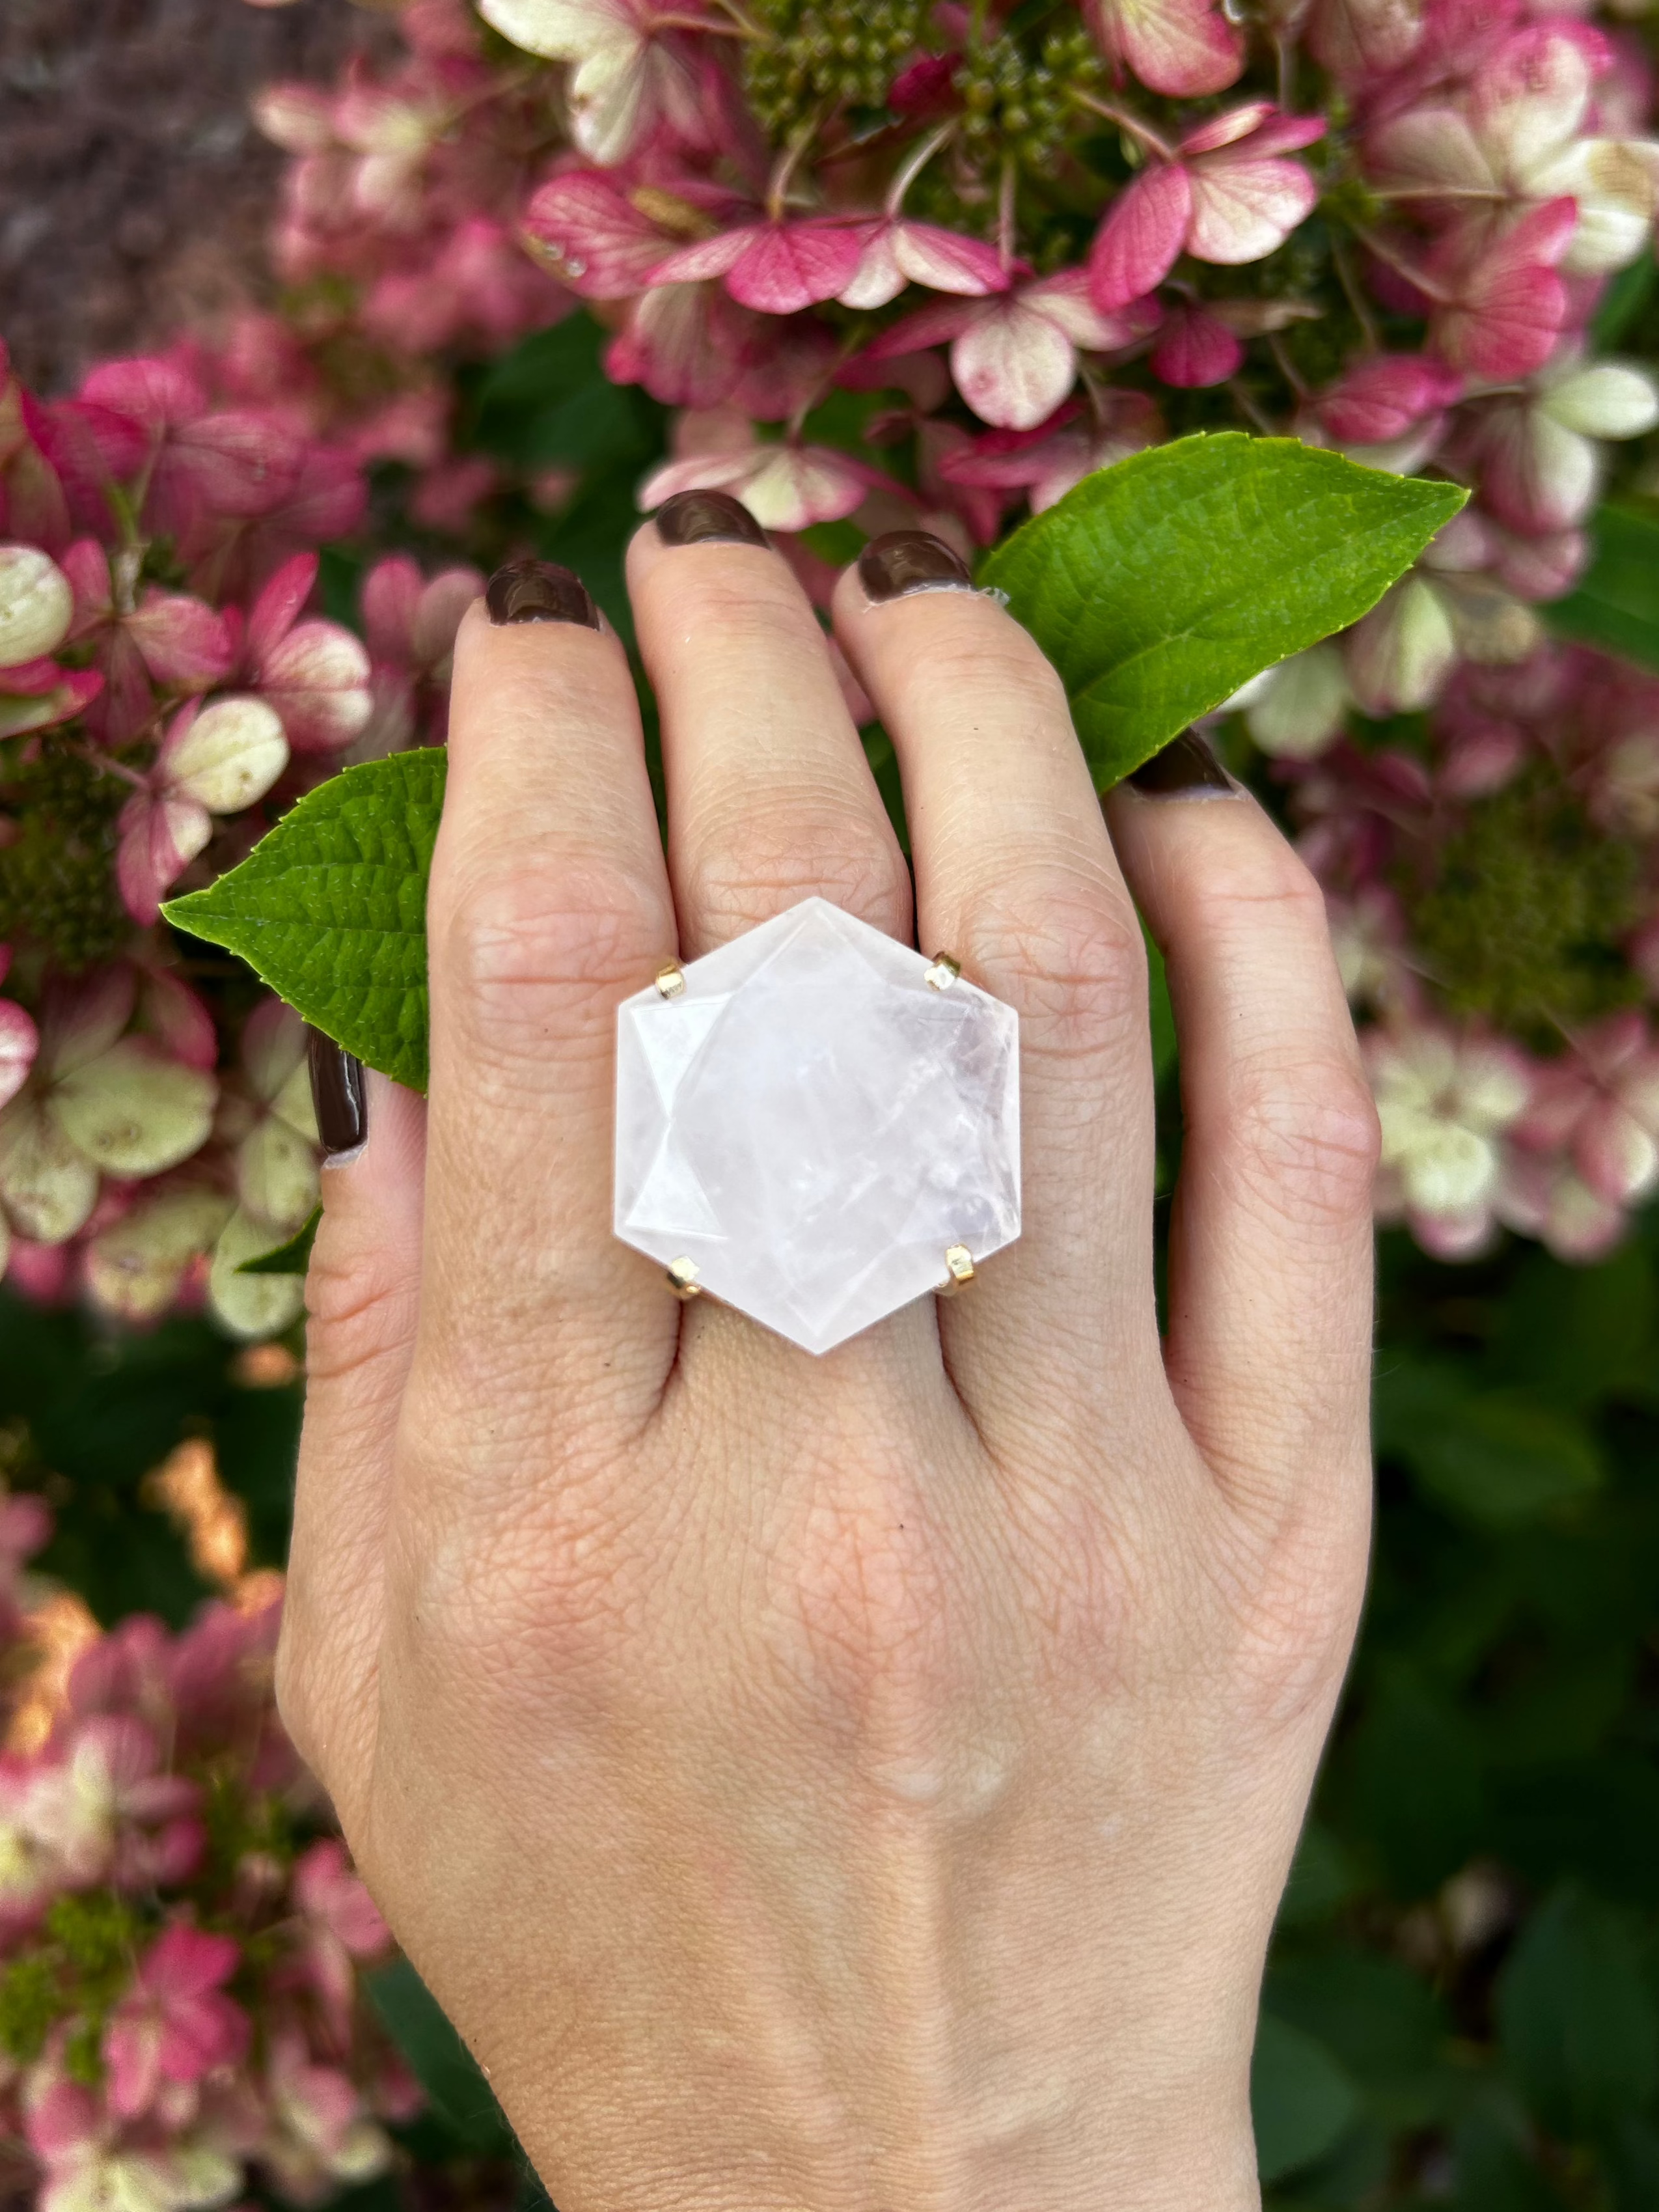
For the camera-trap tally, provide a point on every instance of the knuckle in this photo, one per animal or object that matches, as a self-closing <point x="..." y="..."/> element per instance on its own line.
<point x="1066" y="951"/>
<point x="547" y="937"/>
<point x="360" y="1310"/>
<point x="746" y="872"/>
<point x="994" y="668"/>
<point x="1269" y="879"/>
<point x="1305" y="1140"/>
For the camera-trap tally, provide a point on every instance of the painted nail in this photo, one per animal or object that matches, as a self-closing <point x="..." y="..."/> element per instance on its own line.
<point x="539" y="591"/>
<point x="901" y="562"/>
<point x="1185" y="768"/>
<point x="707" y="518"/>
<point x="337" y="1098"/>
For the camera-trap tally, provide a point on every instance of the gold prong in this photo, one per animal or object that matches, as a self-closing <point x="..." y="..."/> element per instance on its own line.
<point x="942" y="972"/>
<point x="671" y="979"/>
<point x="959" y="1269"/>
<point x="683" y="1278"/>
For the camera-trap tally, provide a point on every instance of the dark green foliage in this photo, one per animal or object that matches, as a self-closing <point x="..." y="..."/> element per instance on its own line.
<point x="1616" y="605"/>
<point x="86" y="1412"/>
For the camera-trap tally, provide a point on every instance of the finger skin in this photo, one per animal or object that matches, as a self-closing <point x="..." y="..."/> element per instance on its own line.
<point x="1271" y="1241"/>
<point x="771" y="798"/>
<point x="1016" y="877"/>
<point x="548" y="904"/>
<point x="362" y="1297"/>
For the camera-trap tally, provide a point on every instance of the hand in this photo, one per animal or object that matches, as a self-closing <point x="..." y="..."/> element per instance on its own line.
<point x="860" y="1784"/>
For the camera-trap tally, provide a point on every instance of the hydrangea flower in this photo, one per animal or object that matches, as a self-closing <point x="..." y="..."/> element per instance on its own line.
<point x="179" y="2026"/>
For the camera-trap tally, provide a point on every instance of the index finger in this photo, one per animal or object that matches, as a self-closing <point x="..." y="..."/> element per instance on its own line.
<point x="548" y="904"/>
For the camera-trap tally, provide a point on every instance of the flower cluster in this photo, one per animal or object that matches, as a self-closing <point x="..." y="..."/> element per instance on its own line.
<point x="397" y="246"/>
<point x="163" y="691"/>
<point x="1492" y="894"/>
<point x="180" y="1940"/>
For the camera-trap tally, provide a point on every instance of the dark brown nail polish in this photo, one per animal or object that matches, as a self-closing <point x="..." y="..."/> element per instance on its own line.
<point x="901" y="562"/>
<point x="1186" y="767"/>
<point x="707" y="518"/>
<point x="539" y="591"/>
<point x="336" y="1095"/>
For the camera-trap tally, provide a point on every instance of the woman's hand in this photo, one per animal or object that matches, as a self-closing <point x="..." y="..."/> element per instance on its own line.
<point x="860" y="1784"/>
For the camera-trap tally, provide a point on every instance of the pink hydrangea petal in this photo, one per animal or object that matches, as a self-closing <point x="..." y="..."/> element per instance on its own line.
<point x="1233" y="124"/>
<point x="1013" y="365"/>
<point x="277" y="608"/>
<point x="706" y="257"/>
<point x="391" y="593"/>
<point x="688" y="344"/>
<point x="1145" y="230"/>
<point x="184" y="642"/>
<point x="784" y="267"/>
<point x="159" y="837"/>
<point x="947" y="261"/>
<point x="1194" y="350"/>
<point x="317" y="679"/>
<point x="1182" y="47"/>
<point x="1244" y="209"/>
<point x="591" y="235"/>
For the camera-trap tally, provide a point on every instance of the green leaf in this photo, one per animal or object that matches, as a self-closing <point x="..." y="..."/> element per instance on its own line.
<point x="1158" y="586"/>
<point x="1616" y="605"/>
<point x="441" y="2062"/>
<point x="1300" y="2098"/>
<point x="1576" y="2020"/>
<point x="292" y="1258"/>
<point x="1495" y="1458"/>
<point x="1417" y="1788"/>
<point x="329" y="908"/>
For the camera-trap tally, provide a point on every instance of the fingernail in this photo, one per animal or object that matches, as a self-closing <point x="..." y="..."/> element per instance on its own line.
<point x="539" y="591"/>
<point x="1185" y="768"/>
<point x="707" y="518"/>
<point x="337" y="1098"/>
<point x="901" y="562"/>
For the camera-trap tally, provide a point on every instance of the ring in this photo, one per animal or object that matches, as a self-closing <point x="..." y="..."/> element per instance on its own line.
<point x="816" y="1125"/>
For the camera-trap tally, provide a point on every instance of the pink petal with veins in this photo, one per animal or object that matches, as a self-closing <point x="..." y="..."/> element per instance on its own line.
<point x="1231" y="124"/>
<point x="1194" y="350"/>
<point x="184" y="642"/>
<point x="706" y="257"/>
<point x="1183" y="48"/>
<point x="159" y="837"/>
<point x="592" y="236"/>
<point x="784" y="267"/>
<point x="277" y="607"/>
<point x="317" y="679"/>
<point x="1145" y="230"/>
<point x="1509" y="303"/>
<point x="1244" y="209"/>
<point x="1381" y="399"/>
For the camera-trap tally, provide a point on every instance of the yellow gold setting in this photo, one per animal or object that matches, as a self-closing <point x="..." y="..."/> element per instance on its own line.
<point x="683" y="1278"/>
<point x="943" y="970"/>
<point x="959" y="1270"/>
<point x="670" y="980"/>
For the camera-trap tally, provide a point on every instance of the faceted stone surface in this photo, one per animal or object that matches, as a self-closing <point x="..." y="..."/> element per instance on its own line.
<point x="814" y="1126"/>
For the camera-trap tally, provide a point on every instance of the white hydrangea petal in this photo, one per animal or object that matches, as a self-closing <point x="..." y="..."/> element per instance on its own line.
<point x="133" y="1111"/>
<point x="251" y="1305"/>
<point x="231" y="755"/>
<point x="1609" y="399"/>
<point x="49" y="1189"/>
<point x="37" y="604"/>
<point x="276" y="1173"/>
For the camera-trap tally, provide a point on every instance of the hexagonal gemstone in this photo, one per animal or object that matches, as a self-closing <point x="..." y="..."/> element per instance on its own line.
<point x="812" y="1124"/>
